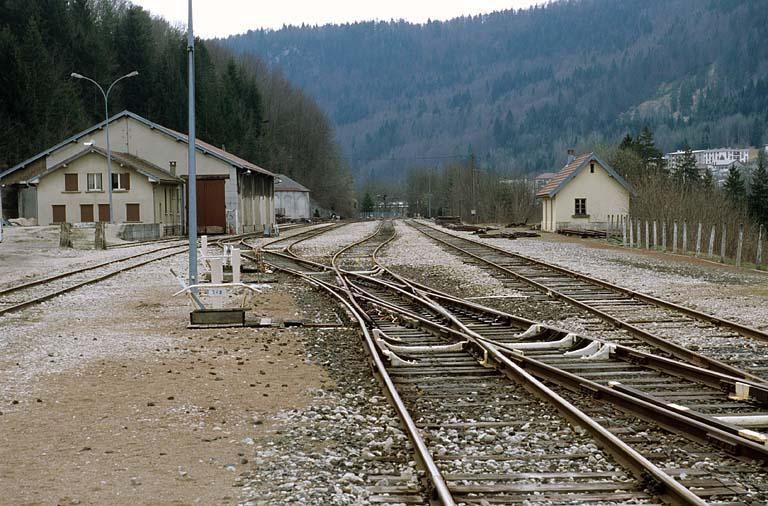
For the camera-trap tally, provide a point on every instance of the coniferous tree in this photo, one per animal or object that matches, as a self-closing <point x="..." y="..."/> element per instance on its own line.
<point x="647" y="149"/>
<point x="367" y="204"/>
<point x="43" y="42"/>
<point x="686" y="171"/>
<point x="734" y="186"/>
<point x="758" y="194"/>
<point x="708" y="182"/>
<point x="628" y="142"/>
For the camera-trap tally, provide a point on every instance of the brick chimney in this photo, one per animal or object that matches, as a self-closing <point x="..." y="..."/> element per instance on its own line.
<point x="571" y="155"/>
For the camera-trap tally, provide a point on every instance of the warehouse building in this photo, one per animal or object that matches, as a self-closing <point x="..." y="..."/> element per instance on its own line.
<point x="67" y="182"/>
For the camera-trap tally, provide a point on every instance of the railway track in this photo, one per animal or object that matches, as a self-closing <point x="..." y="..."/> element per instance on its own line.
<point x="675" y="458"/>
<point x="423" y="370"/>
<point x="24" y="295"/>
<point x="637" y="320"/>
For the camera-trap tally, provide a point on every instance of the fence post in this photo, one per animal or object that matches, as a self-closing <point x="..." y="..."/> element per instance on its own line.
<point x="674" y="238"/>
<point x="685" y="237"/>
<point x="664" y="236"/>
<point x="100" y="238"/>
<point x="759" y="256"/>
<point x="610" y="226"/>
<point x="698" y="241"/>
<point x="722" y="245"/>
<point x="623" y="231"/>
<point x="631" y="232"/>
<point x="739" y="245"/>
<point x="65" y="235"/>
<point x="639" y="241"/>
<point x="646" y="235"/>
<point x="711" y="250"/>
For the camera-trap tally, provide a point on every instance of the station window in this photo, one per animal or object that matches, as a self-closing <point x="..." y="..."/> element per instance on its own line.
<point x="132" y="213"/>
<point x="86" y="213"/>
<point x="70" y="182"/>
<point x="592" y="167"/>
<point x="121" y="181"/>
<point x="59" y="213"/>
<point x="104" y="213"/>
<point x="94" y="182"/>
<point x="581" y="207"/>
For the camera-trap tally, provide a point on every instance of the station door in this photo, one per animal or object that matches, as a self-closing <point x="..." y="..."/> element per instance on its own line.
<point x="211" y="208"/>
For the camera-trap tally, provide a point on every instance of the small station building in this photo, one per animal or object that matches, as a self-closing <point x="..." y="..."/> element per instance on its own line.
<point x="291" y="199"/>
<point x="584" y="194"/>
<point x="67" y="182"/>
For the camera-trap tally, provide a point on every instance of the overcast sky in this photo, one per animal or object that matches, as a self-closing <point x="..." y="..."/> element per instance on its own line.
<point x="218" y="18"/>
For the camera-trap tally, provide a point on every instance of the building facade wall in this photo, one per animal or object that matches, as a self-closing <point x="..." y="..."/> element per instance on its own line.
<point x="128" y="135"/>
<point x="50" y="192"/>
<point x="605" y="196"/>
<point x="295" y="205"/>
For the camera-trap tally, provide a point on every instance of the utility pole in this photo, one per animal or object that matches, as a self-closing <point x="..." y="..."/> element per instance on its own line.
<point x="192" y="172"/>
<point x="429" y="189"/>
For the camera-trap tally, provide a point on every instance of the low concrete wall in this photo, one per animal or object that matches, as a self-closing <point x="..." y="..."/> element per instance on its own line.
<point x="139" y="231"/>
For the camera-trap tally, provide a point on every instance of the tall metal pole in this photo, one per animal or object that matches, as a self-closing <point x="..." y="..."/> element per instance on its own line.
<point x="109" y="155"/>
<point x="192" y="172"/>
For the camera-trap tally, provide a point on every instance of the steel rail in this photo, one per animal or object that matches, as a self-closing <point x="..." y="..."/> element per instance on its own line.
<point x="48" y="296"/>
<point x="709" y="377"/>
<point x="674" y="421"/>
<point x="36" y="282"/>
<point x="379" y="228"/>
<point x="708" y="318"/>
<point x="674" y="492"/>
<point x="310" y="234"/>
<point x="70" y="288"/>
<point x="438" y="485"/>
<point x="673" y="349"/>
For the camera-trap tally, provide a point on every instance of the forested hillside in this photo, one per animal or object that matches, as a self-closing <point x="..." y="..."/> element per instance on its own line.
<point x="253" y="112"/>
<point x="519" y="87"/>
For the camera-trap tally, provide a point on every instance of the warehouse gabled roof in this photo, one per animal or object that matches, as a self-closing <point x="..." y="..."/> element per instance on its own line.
<point x="573" y="168"/>
<point x="201" y="146"/>
<point x="285" y="184"/>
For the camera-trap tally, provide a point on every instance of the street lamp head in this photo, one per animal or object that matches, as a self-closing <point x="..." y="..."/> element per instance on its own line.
<point x="77" y="76"/>
<point x="133" y="74"/>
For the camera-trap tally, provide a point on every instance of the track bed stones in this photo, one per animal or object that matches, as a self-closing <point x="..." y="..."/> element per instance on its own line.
<point x="325" y="245"/>
<point x="346" y="447"/>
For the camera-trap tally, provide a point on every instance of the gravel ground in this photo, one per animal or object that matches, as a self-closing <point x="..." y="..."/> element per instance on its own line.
<point x="417" y="257"/>
<point x="413" y="251"/>
<point x="325" y="245"/>
<point x="28" y="253"/>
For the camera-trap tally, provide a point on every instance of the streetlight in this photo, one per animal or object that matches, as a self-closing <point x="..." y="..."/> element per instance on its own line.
<point x="106" y="126"/>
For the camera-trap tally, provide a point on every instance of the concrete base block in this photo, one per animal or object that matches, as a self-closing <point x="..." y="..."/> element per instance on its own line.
<point x="217" y="317"/>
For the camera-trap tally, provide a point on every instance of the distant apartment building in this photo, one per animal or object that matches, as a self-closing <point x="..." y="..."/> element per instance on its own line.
<point x="718" y="161"/>
<point x="713" y="157"/>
